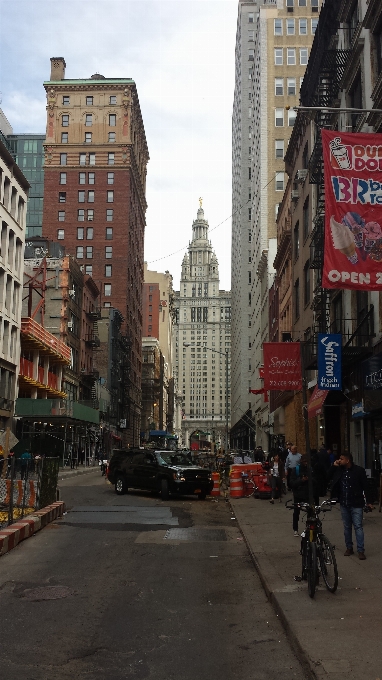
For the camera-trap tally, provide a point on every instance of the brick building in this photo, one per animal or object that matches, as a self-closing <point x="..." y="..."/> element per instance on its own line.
<point x="94" y="195"/>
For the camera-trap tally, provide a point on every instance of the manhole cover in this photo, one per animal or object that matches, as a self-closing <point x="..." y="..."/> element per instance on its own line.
<point x="194" y="534"/>
<point x="47" y="593"/>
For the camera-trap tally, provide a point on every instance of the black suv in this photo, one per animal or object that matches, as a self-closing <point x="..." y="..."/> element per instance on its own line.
<point x="162" y="471"/>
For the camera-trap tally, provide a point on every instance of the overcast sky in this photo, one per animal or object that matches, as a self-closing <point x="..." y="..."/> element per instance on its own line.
<point x="181" y="55"/>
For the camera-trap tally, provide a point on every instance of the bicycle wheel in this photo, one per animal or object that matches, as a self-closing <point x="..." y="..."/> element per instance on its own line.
<point x="311" y="567"/>
<point x="304" y="552"/>
<point x="328" y="564"/>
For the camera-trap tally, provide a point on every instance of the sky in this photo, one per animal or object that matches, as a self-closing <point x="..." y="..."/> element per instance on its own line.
<point x="180" y="53"/>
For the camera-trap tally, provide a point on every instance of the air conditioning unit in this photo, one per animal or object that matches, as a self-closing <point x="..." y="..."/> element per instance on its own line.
<point x="90" y="218"/>
<point x="72" y="293"/>
<point x="70" y="325"/>
<point x="301" y="175"/>
<point x="295" y="194"/>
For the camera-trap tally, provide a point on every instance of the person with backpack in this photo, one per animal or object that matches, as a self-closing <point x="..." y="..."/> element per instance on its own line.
<point x="300" y="486"/>
<point x="292" y="459"/>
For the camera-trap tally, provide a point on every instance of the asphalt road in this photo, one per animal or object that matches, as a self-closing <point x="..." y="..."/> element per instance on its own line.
<point x="133" y="587"/>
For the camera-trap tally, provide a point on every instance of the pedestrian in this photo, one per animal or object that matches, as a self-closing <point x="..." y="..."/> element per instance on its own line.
<point x="259" y="455"/>
<point x="25" y="463"/>
<point x="300" y="485"/>
<point x="277" y="474"/>
<point x="349" y="485"/>
<point x="332" y="456"/>
<point x="292" y="459"/>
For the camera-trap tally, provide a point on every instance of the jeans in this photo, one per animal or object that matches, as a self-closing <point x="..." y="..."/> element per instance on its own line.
<point x="276" y="483"/>
<point x="353" y="516"/>
<point x="296" y="517"/>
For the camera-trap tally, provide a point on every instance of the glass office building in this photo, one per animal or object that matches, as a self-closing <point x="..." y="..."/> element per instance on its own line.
<point x="29" y="155"/>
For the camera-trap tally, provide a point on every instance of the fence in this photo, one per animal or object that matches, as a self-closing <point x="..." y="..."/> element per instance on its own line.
<point x="26" y="485"/>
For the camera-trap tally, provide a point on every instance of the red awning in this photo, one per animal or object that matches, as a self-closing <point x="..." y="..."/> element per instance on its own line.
<point x="316" y="402"/>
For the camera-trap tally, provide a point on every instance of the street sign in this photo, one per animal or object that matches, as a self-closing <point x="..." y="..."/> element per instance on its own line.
<point x="12" y="440"/>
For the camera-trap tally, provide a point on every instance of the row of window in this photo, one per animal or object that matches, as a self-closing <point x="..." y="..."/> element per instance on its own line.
<point x="89" y="100"/>
<point x="279" y="117"/>
<point x="87" y="159"/>
<point x="88" y="120"/>
<point x="291" y="86"/>
<point x="90" y="196"/>
<point x="302" y="3"/>
<point x="290" y="26"/>
<point x="89" y="237"/>
<point x="88" y="137"/>
<point x="86" y="178"/>
<point x="291" y="56"/>
<point x="89" y="215"/>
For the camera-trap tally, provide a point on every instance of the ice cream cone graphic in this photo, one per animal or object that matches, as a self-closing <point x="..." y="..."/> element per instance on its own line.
<point x="343" y="240"/>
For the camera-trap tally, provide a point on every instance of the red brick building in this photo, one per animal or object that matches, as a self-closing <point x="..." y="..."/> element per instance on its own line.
<point x="151" y="302"/>
<point x="94" y="196"/>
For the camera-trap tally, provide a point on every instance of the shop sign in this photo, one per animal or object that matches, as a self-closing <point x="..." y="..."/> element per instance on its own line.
<point x="282" y="366"/>
<point x="329" y="361"/>
<point x="372" y="382"/>
<point x="316" y="402"/>
<point x="353" y="210"/>
<point x="357" y="410"/>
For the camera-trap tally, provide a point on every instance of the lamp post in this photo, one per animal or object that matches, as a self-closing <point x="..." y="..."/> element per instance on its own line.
<point x="224" y="354"/>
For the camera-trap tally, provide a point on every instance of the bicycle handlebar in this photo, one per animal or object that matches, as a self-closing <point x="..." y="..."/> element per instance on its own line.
<point x="306" y="506"/>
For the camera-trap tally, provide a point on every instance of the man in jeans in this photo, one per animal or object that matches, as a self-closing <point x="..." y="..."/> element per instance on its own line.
<point x="349" y="485"/>
<point x="293" y="459"/>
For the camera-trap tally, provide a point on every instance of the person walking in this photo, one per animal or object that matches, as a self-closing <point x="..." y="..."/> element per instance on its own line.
<point x="277" y="474"/>
<point x="300" y="485"/>
<point x="349" y="485"/>
<point x="292" y="459"/>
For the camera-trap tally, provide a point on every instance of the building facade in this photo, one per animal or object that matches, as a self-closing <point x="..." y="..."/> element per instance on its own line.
<point x="202" y="334"/>
<point x="95" y="183"/>
<point x="29" y="154"/>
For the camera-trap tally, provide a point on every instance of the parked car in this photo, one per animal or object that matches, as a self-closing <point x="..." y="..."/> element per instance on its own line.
<point x="161" y="471"/>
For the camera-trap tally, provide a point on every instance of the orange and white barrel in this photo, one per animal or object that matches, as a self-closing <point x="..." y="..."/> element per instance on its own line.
<point x="216" y="480"/>
<point x="236" y="484"/>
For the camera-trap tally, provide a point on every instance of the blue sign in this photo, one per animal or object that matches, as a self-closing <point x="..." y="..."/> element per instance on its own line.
<point x="329" y="361"/>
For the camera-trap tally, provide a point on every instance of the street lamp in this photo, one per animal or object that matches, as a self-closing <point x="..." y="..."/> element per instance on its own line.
<point x="224" y="354"/>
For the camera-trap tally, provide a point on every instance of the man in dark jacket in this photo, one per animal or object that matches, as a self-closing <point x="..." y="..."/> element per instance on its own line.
<point x="300" y="486"/>
<point x="349" y="485"/>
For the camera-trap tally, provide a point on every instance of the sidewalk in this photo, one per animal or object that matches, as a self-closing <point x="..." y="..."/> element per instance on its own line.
<point x="338" y="636"/>
<point x="65" y="473"/>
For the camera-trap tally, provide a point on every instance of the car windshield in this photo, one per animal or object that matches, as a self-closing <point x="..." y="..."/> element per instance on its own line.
<point x="171" y="458"/>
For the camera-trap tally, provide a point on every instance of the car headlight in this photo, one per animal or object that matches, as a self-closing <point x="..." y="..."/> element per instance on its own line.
<point x="178" y="476"/>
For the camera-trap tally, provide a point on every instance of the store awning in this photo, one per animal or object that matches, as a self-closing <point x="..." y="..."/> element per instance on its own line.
<point x="316" y="402"/>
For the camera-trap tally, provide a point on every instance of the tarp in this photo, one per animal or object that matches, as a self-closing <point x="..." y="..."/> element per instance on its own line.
<point x="316" y="402"/>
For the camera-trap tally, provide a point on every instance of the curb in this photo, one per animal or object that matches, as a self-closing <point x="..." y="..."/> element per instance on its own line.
<point x="19" y="531"/>
<point x="67" y="474"/>
<point x="304" y="659"/>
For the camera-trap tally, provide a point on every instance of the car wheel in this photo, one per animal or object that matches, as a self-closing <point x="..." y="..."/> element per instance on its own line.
<point x="120" y="485"/>
<point x="202" y="496"/>
<point x="164" y="491"/>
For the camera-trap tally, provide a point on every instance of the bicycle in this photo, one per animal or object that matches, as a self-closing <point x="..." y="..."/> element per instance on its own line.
<point x="249" y="486"/>
<point x="317" y="553"/>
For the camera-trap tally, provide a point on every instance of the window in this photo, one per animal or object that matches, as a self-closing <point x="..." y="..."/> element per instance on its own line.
<point x="279" y="117"/>
<point x="303" y="26"/>
<point x="80" y="233"/>
<point x="277" y="210"/>
<point x="291" y="117"/>
<point x="110" y="177"/>
<point x="314" y="26"/>
<point x="64" y="138"/>
<point x="249" y="173"/>
<point x="314" y="4"/>
<point x="90" y="196"/>
<point x="88" y="137"/>
<point x="279" y="86"/>
<point x="65" y="101"/>
<point x="303" y="56"/>
<point x="79" y="252"/>
<point x="278" y="56"/>
<point x="111" y="137"/>
<point x="305" y="156"/>
<point x="290" y="26"/>
<point x="92" y="159"/>
<point x="291" y="86"/>
<point x="110" y="158"/>
<point x="109" y="215"/>
<point x="89" y="101"/>
<point x="88" y="119"/>
<point x="305" y="219"/>
<point x="251" y="55"/>
<point x="279" y="181"/>
<point x="62" y="197"/>
<point x="65" y="120"/>
<point x="112" y="99"/>
<point x="108" y="252"/>
<point x="289" y="3"/>
<point x="297" y="299"/>
<point x="296" y="240"/>
<point x="91" y="178"/>
<point x="108" y="268"/>
<point x="112" y="119"/>
<point x="89" y="233"/>
<point x="107" y="289"/>
<point x="63" y="158"/>
<point x="80" y="215"/>
<point x="249" y="214"/>
<point x="90" y="214"/>
<point x="302" y="3"/>
<point x="109" y="233"/>
<point x="61" y="215"/>
<point x="89" y="252"/>
<point x="278" y="26"/>
<point x="62" y="177"/>
<point x="279" y="148"/>
<point x="251" y="36"/>
<point x="81" y="197"/>
<point x="306" y="283"/>
<point x="82" y="158"/>
<point x="108" y="304"/>
<point x="110" y="196"/>
<point x="89" y="269"/>
<point x="291" y="56"/>
<point x="82" y="178"/>
<point x="60" y="234"/>
<point x="250" y="17"/>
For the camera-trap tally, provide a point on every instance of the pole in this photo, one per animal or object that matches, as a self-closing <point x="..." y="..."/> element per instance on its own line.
<point x="6" y="452"/>
<point x="306" y="426"/>
<point x="226" y="402"/>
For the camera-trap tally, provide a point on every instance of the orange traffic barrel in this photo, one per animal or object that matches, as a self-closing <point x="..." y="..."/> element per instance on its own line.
<point x="216" y="480"/>
<point x="236" y="484"/>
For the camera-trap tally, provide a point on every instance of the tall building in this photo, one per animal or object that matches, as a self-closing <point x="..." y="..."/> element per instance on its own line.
<point x="29" y="154"/>
<point x="95" y="182"/>
<point x="272" y="50"/>
<point x="202" y="344"/>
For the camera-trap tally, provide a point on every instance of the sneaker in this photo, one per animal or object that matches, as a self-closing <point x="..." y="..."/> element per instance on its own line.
<point x="348" y="551"/>
<point x="361" y="556"/>
<point x="272" y="501"/>
<point x="296" y="533"/>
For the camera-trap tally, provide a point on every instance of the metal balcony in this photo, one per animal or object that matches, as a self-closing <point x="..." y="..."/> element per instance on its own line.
<point x="95" y="314"/>
<point x="92" y="340"/>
